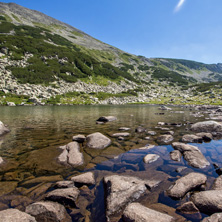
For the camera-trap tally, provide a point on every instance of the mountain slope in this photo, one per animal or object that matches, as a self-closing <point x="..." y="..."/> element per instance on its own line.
<point x="61" y="64"/>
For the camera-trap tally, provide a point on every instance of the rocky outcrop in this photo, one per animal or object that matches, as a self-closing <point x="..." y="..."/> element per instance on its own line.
<point x="97" y="141"/>
<point x="120" y="190"/>
<point x="149" y="158"/>
<point x="207" y="127"/>
<point x="191" y="154"/>
<point x="84" y="179"/>
<point x="190" y="138"/>
<point x="66" y="197"/>
<point x="208" y="202"/>
<point x="217" y="217"/>
<point x="48" y="211"/>
<point x="71" y="155"/>
<point x="3" y="129"/>
<point x="14" y="215"/>
<point x="136" y="212"/>
<point x="186" y="184"/>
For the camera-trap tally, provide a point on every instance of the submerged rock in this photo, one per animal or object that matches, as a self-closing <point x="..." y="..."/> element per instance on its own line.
<point x="67" y="196"/>
<point x="207" y="127"/>
<point x="14" y="215"/>
<point x="191" y="154"/>
<point x="97" y="141"/>
<point x="149" y="158"/>
<point x="3" y="129"/>
<point x="48" y="211"/>
<point x="106" y="119"/>
<point x="186" y="184"/>
<point x="190" y="138"/>
<point x="84" y="179"/>
<point x="120" y="190"/>
<point x="209" y="201"/>
<point x="135" y="212"/>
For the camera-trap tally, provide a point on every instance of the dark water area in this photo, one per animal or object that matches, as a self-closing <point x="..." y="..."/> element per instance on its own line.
<point x="30" y="152"/>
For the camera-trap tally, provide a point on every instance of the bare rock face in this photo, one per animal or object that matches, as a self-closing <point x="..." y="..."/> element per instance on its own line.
<point x="149" y="158"/>
<point x="192" y="155"/>
<point x="190" y="138"/>
<point x="120" y="190"/>
<point x="48" y="211"/>
<point x="106" y="119"/>
<point x="135" y="212"/>
<point x="14" y="215"/>
<point x="97" y="141"/>
<point x="84" y="179"/>
<point x="185" y="184"/>
<point x="217" y="217"/>
<point x="165" y="139"/>
<point x="67" y="196"/>
<point x="188" y="208"/>
<point x="175" y="155"/>
<point x="209" y="201"/>
<point x="3" y="129"/>
<point x="217" y="185"/>
<point x="207" y="127"/>
<point x="71" y="155"/>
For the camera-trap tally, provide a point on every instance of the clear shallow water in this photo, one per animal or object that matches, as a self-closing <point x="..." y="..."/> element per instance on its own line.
<point x="30" y="150"/>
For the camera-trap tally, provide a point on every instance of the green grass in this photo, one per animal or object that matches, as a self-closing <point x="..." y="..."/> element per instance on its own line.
<point x="77" y="33"/>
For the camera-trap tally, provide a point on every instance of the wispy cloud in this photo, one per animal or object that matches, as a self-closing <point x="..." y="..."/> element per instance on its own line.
<point x="179" y="5"/>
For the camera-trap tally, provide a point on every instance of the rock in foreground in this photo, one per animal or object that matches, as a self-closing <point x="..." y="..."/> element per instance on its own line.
<point x="48" y="211"/>
<point x="192" y="155"/>
<point x="186" y="183"/>
<point x="217" y="217"/>
<point x="209" y="201"/>
<point x="121" y="190"/>
<point x="97" y="141"/>
<point x="136" y="212"/>
<point x="14" y="215"/>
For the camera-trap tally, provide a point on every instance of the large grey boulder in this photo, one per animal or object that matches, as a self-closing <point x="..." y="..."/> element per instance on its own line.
<point x="135" y="212"/>
<point x="84" y="179"/>
<point x="185" y="184"/>
<point x="14" y="215"/>
<point x="3" y="129"/>
<point x="120" y="190"/>
<point x="97" y="141"/>
<point x="48" y="211"/>
<point x="190" y="138"/>
<point x="209" y="201"/>
<point x="67" y="196"/>
<point x="71" y="155"/>
<point x="217" y="217"/>
<point x="192" y="155"/>
<point x="207" y="127"/>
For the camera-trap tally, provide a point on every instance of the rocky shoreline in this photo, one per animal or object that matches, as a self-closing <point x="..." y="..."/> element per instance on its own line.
<point x="128" y="191"/>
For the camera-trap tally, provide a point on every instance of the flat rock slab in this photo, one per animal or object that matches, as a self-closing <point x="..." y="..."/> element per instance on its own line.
<point x="97" y="141"/>
<point x="191" y="138"/>
<point x="106" y="119"/>
<point x="207" y="127"/>
<point x="135" y="212"/>
<point x="149" y="158"/>
<point x="192" y="155"/>
<point x="209" y="201"/>
<point x="48" y="211"/>
<point x="186" y="184"/>
<point x="217" y="217"/>
<point x="3" y="129"/>
<point x="67" y="196"/>
<point x="120" y="190"/>
<point x="14" y="215"/>
<point x="120" y="135"/>
<point x="71" y="155"/>
<point x="84" y="179"/>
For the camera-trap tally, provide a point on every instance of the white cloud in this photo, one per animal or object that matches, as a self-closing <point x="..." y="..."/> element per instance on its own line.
<point x="179" y="5"/>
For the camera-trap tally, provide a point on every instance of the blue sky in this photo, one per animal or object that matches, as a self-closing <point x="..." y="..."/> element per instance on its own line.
<point x="152" y="28"/>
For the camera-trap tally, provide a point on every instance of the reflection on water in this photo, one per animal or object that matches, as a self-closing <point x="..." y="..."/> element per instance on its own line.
<point x="30" y="149"/>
